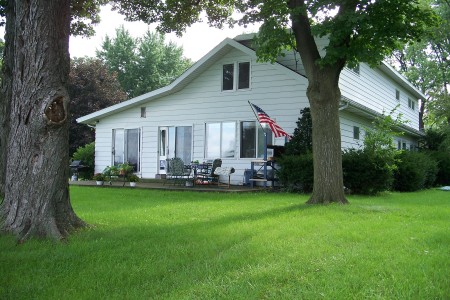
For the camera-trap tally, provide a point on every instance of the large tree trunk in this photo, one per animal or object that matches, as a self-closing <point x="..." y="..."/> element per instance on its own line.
<point x="5" y="95"/>
<point x="37" y="199"/>
<point x="324" y="97"/>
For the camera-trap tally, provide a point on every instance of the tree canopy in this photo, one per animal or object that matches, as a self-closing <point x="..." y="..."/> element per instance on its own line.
<point x="142" y="64"/>
<point x="427" y="65"/>
<point x="91" y="87"/>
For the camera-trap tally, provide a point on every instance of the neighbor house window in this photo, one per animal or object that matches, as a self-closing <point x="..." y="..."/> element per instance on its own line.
<point x="397" y="95"/>
<point x="411" y="104"/>
<point x="143" y="112"/>
<point x="253" y="139"/>
<point x="236" y="76"/>
<point x="356" y="132"/>
<point x="220" y="140"/>
<point x="126" y="147"/>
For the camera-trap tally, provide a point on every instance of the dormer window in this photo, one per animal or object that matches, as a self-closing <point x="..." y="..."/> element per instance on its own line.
<point x="236" y="76"/>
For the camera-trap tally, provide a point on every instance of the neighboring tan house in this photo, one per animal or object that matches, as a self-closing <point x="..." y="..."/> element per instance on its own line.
<point x="204" y="114"/>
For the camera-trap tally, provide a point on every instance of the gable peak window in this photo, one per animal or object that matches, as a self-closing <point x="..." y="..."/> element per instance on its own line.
<point x="236" y="76"/>
<point x="397" y="95"/>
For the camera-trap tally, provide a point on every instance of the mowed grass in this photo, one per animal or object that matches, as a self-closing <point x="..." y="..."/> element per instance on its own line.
<point x="148" y="244"/>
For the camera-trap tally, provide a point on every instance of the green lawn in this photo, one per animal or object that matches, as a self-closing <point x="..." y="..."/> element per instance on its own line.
<point x="147" y="244"/>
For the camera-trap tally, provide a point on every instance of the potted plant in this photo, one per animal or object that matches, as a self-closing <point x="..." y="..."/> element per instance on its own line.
<point x="125" y="169"/>
<point x="133" y="179"/>
<point x="99" y="178"/>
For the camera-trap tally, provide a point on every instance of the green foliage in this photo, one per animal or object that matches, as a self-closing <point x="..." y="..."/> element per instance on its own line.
<point x="87" y="155"/>
<point x="359" y="31"/>
<point x="85" y="15"/>
<point x="370" y="170"/>
<point x="159" y="244"/>
<point x="98" y="177"/>
<point x="111" y="171"/>
<point x="365" y="173"/>
<point x="133" y="178"/>
<point x="379" y="139"/>
<point x="426" y="65"/>
<point x="415" y="171"/>
<point x="301" y="141"/>
<point x="91" y="87"/>
<point x="443" y="160"/>
<point x="436" y="139"/>
<point x="143" y="64"/>
<point x="297" y="172"/>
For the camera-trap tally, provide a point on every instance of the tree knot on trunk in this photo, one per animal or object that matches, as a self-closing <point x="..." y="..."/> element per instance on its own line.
<point x="56" y="111"/>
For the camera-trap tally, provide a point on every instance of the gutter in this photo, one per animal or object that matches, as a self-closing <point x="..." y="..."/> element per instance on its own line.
<point x="372" y="114"/>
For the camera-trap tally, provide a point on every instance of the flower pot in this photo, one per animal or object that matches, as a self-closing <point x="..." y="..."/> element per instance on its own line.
<point x="132" y="184"/>
<point x="99" y="182"/>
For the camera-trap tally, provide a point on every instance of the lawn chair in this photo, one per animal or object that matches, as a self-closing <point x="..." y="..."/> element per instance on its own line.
<point x="177" y="172"/>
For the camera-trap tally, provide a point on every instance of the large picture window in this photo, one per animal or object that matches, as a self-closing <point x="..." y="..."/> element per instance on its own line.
<point x="126" y="147"/>
<point x="253" y="139"/>
<point x="236" y="76"/>
<point x="220" y="140"/>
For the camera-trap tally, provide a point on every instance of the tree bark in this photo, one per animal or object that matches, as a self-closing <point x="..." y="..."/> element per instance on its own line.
<point x="5" y="96"/>
<point x="37" y="202"/>
<point x="324" y="97"/>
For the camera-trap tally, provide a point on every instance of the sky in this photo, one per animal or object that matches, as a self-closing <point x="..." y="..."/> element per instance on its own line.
<point x="198" y="40"/>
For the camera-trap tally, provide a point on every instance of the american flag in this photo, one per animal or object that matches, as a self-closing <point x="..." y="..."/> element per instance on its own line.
<point x="264" y="118"/>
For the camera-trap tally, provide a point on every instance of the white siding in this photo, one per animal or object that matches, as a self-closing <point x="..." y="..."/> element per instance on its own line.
<point x="373" y="89"/>
<point x="277" y="92"/>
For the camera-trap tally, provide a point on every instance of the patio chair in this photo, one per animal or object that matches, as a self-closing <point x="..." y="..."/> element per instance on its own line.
<point x="177" y="170"/>
<point x="206" y="175"/>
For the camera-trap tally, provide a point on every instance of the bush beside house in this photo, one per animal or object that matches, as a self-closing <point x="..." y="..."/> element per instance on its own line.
<point x="87" y="155"/>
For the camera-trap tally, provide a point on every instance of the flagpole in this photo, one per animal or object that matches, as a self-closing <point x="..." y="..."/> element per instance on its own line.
<point x="265" y="134"/>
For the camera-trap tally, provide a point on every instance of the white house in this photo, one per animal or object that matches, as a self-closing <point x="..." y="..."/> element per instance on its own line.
<point x="204" y="114"/>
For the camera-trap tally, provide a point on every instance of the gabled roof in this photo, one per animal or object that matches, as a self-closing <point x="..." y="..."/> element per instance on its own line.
<point x="209" y="59"/>
<point x="200" y="66"/>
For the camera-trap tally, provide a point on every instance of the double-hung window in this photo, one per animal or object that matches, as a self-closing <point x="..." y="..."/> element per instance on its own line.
<point x="253" y="140"/>
<point x="236" y="76"/>
<point x="411" y="103"/>
<point x="220" y="140"/>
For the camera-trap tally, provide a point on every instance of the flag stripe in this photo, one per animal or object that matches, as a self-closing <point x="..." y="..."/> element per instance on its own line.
<point x="264" y="118"/>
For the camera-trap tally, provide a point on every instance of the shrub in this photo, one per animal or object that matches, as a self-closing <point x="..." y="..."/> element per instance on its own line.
<point x="87" y="155"/>
<point x="99" y="177"/>
<point x="297" y="172"/>
<point x="301" y="141"/>
<point x="415" y="171"/>
<point x="365" y="173"/>
<point x="443" y="161"/>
